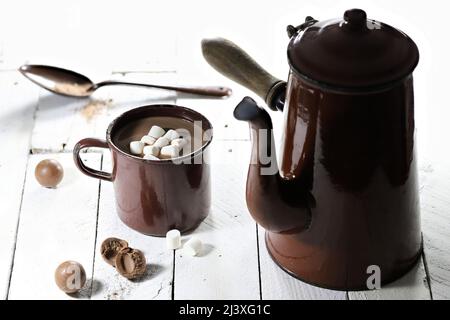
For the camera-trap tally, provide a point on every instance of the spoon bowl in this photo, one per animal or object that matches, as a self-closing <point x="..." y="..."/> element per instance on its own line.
<point x="59" y="80"/>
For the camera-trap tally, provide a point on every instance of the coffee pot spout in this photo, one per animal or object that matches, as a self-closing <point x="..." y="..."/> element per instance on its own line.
<point x="277" y="204"/>
<point x="248" y="110"/>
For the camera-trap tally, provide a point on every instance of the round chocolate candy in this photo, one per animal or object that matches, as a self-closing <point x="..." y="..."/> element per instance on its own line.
<point x="70" y="276"/>
<point x="49" y="173"/>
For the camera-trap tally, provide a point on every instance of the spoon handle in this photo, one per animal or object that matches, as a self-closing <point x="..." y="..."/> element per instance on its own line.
<point x="213" y="91"/>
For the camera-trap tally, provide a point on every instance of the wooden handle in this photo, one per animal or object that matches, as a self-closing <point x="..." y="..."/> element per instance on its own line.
<point x="234" y="63"/>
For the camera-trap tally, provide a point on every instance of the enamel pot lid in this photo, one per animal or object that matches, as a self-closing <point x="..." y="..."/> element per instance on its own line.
<point x="351" y="53"/>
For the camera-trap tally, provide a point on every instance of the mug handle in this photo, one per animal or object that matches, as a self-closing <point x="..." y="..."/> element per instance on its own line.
<point x="86" y="143"/>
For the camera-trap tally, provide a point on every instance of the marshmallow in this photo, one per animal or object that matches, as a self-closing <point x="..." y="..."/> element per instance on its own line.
<point x="172" y="134"/>
<point x="180" y="142"/>
<point x="168" y="152"/>
<point x="156" y="132"/>
<point x="136" y="147"/>
<point x="183" y="132"/>
<point x="173" y="239"/>
<point x="193" y="246"/>
<point x="187" y="137"/>
<point x="153" y="150"/>
<point x="148" y="139"/>
<point x="161" y="142"/>
<point x="150" y="157"/>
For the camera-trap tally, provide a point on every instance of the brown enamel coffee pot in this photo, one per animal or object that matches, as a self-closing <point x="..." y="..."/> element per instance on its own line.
<point x="344" y="200"/>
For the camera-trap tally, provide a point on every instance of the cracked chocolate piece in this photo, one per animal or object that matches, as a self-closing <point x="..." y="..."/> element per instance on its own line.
<point x="109" y="249"/>
<point x="131" y="263"/>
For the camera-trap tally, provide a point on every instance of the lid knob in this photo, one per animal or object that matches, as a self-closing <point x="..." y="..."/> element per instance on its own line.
<point x="356" y="19"/>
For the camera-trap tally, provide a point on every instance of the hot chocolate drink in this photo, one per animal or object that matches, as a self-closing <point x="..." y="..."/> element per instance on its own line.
<point x="135" y="130"/>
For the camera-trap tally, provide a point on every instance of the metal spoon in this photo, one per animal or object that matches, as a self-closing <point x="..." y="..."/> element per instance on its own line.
<point x="72" y="84"/>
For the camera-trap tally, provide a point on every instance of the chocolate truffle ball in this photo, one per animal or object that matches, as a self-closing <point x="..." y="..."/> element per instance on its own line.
<point x="70" y="276"/>
<point x="109" y="249"/>
<point x="131" y="263"/>
<point x="49" y="173"/>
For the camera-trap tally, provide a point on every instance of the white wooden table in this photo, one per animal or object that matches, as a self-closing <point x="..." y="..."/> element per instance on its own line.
<point x="42" y="227"/>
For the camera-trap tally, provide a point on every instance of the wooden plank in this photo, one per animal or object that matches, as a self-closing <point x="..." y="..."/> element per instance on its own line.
<point x="412" y="286"/>
<point x="18" y="101"/>
<point x="157" y="283"/>
<point x="435" y="203"/>
<point x="278" y="285"/>
<point x="62" y="121"/>
<point x="55" y="225"/>
<point x="218" y="111"/>
<point x="228" y="266"/>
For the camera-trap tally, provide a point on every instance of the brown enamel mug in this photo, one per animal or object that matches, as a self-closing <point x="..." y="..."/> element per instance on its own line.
<point x="154" y="196"/>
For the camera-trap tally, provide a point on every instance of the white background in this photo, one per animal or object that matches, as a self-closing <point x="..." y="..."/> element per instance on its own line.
<point x="96" y="37"/>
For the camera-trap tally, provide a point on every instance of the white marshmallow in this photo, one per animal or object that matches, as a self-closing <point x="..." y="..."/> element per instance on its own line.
<point x="172" y="134"/>
<point x="156" y="132"/>
<point x="150" y="157"/>
<point x="173" y="239"/>
<point x="183" y="132"/>
<point x="153" y="150"/>
<point x="168" y="152"/>
<point x="186" y="137"/>
<point x="180" y="142"/>
<point x="136" y="147"/>
<point x="161" y="142"/>
<point x="193" y="246"/>
<point x="148" y="139"/>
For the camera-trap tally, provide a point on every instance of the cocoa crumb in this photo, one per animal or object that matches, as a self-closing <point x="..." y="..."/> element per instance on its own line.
<point x="94" y="108"/>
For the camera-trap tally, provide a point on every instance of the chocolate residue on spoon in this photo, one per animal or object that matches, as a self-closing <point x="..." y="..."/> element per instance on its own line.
<point x="72" y="89"/>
